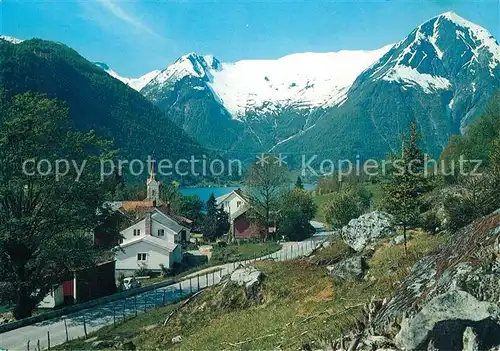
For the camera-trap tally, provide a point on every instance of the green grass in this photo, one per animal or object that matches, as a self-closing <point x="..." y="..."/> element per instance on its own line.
<point x="377" y="195"/>
<point x="300" y="303"/>
<point x="240" y="252"/>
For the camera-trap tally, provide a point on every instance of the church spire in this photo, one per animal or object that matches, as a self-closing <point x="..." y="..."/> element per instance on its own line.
<point x="153" y="186"/>
<point x="152" y="174"/>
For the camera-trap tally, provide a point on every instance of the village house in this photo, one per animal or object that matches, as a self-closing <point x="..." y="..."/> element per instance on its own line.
<point x="154" y="236"/>
<point x="83" y="285"/>
<point x="236" y="205"/>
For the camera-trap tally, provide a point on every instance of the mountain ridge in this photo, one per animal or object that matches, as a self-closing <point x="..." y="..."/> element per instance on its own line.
<point x="442" y="74"/>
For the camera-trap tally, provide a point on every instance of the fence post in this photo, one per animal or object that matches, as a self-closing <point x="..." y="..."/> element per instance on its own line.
<point x="135" y="304"/>
<point x="38" y="344"/>
<point x="190" y="286"/>
<point x="145" y="303"/>
<point x="213" y="278"/>
<point x="48" y="340"/>
<point x="28" y="345"/>
<point x="198" y="279"/>
<point x="123" y="310"/>
<point x="206" y="278"/>
<point x="114" y="317"/>
<point x="85" y="327"/>
<point x="180" y="290"/>
<point x="163" y="299"/>
<point x="66" y="329"/>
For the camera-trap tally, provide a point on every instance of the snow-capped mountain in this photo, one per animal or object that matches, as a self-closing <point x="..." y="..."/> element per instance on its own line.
<point x="134" y="83"/>
<point x="442" y="74"/>
<point x="423" y="58"/>
<point x="447" y="56"/>
<point x="303" y="81"/>
<point x="11" y="39"/>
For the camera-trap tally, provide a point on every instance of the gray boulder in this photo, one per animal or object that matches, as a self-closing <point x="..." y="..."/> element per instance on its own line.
<point x="450" y="299"/>
<point x="250" y="278"/>
<point x="452" y="305"/>
<point x="246" y="276"/>
<point x="367" y="228"/>
<point x="102" y="344"/>
<point x="349" y="269"/>
<point x="176" y="339"/>
<point x="470" y="340"/>
<point x="399" y="240"/>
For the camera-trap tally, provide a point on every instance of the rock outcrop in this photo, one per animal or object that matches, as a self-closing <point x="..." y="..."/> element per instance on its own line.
<point x="450" y="299"/>
<point x="348" y="269"/>
<point x="364" y="230"/>
<point x="250" y="278"/>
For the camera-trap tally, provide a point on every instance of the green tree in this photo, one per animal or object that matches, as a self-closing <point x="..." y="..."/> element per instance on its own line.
<point x="296" y="210"/>
<point x="479" y="141"/>
<point x="299" y="184"/>
<point x="216" y="222"/>
<point x="191" y="207"/>
<point x="265" y="183"/>
<point x="45" y="222"/>
<point x="343" y="206"/>
<point x="407" y="182"/>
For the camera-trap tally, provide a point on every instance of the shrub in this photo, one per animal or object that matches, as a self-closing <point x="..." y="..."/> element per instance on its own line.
<point x="429" y="222"/>
<point x="166" y="272"/>
<point x="459" y="212"/>
<point x="143" y="271"/>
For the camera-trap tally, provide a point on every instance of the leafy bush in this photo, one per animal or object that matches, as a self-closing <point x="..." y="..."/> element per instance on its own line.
<point x="165" y="271"/>
<point x="296" y="210"/>
<point x="429" y="222"/>
<point x="143" y="271"/>
<point x="347" y="204"/>
<point x="459" y="211"/>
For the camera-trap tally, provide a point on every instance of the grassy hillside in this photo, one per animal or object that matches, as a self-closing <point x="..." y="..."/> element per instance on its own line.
<point x="300" y="304"/>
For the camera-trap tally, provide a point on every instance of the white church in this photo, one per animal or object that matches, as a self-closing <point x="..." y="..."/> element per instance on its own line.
<point x="156" y="235"/>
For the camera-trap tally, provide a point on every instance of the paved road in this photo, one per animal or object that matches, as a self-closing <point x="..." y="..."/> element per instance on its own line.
<point x="100" y="316"/>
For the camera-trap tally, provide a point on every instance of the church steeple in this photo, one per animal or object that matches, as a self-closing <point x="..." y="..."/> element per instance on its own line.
<point x="153" y="186"/>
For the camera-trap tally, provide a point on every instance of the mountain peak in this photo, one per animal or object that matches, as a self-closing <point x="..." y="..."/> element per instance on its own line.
<point x="102" y="65"/>
<point x="11" y="39"/>
<point x="134" y="83"/>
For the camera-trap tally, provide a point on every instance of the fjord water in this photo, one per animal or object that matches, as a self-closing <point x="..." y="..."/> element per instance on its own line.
<point x="204" y="193"/>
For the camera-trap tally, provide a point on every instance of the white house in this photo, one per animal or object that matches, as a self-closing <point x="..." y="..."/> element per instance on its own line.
<point x="155" y="238"/>
<point x="232" y="203"/>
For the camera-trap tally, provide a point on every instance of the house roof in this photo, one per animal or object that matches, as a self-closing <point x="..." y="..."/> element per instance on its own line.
<point x="243" y="209"/>
<point x="160" y="243"/>
<point x="165" y="220"/>
<point x="165" y="208"/>
<point x="137" y="206"/>
<point x="237" y="192"/>
<point x="160" y="217"/>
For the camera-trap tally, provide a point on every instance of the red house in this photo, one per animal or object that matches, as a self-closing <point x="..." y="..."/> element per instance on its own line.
<point x="236" y="204"/>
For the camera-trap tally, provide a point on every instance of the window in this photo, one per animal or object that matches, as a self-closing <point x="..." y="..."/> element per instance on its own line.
<point x="137" y="232"/>
<point x="238" y="203"/>
<point x="142" y="257"/>
<point x="161" y="232"/>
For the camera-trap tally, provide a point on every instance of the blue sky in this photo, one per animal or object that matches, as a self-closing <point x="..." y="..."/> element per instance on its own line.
<point x="135" y="37"/>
